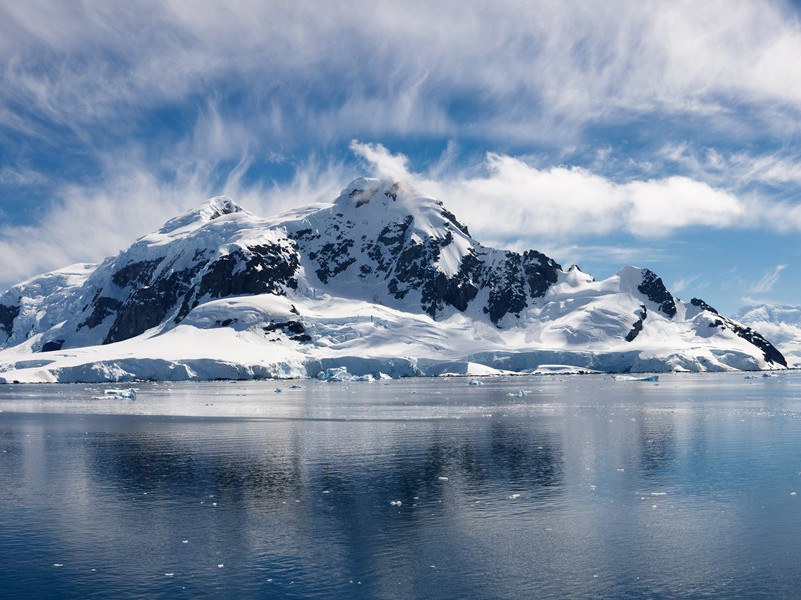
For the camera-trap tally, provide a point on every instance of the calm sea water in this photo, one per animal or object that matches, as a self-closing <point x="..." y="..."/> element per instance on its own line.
<point x="584" y="487"/>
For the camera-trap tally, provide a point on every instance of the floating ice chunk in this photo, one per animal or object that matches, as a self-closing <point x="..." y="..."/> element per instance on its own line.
<point x="278" y="390"/>
<point x="475" y="382"/>
<point x="769" y="375"/>
<point x="750" y="377"/>
<point x="58" y="564"/>
<point x="169" y="574"/>
<point x="340" y="374"/>
<point x="514" y="496"/>
<point x="635" y="377"/>
<point x="326" y="491"/>
<point x="184" y="541"/>
<point x="294" y="387"/>
<point x="793" y="494"/>
<point x="128" y="394"/>
<point x="395" y="503"/>
<point x="441" y="478"/>
<point x="519" y="393"/>
<point x="220" y="566"/>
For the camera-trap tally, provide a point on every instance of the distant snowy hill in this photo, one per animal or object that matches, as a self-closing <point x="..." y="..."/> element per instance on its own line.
<point x="380" y="280"/>
<point x="780" y="324"/>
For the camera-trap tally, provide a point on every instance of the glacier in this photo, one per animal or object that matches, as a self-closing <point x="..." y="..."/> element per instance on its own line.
<point x="382" y="280"/>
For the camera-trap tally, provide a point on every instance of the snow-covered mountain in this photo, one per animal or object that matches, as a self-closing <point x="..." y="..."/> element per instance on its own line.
<point x="380" y="280"/>
<point x="779" y="323"/>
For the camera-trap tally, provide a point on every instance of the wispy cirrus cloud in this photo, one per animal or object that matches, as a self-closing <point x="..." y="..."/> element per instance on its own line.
<point x="768" y="281"/>
<point x="585" y="108"/>
<point x="495" y="70"/>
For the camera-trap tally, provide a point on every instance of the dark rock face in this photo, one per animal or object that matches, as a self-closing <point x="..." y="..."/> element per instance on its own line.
<point x="52" y="346"/>
<point x="638" y="324"/>
<point x="258" y="269"/>
<point x="145" y="294"/>
<point x="102" y="307"/>
<point x="387" y="246"/>
<point x="148" y="306"/>
<point x="655" y="290"/>
<point x="408" y="263"/>
<point x="771" y="354"/>
<point x="294" y="330"/>
<point x="703" y="305"/>
<point x="541" y="272"/>
<point x="137" y="273"/>
<point x="452" y="218"/>
<point x="261" y="269"/>
<point x="520" y="275"/>
<point x="507" y="288"/>
<point x="415" y="270"/>
<point x="7" y="316"/>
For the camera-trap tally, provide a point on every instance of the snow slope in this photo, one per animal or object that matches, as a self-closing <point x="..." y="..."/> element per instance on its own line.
<point x="780" y="324"/>
<point x="381" y="279"/>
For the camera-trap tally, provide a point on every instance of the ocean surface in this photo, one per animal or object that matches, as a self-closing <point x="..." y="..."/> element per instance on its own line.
<point x="523" y="487"/>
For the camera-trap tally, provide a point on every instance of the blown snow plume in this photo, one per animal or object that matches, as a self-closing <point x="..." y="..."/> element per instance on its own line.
<point x="381" y="280"/>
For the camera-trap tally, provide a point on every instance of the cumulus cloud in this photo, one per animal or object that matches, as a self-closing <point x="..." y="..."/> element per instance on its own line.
<point x="510" y="198"/>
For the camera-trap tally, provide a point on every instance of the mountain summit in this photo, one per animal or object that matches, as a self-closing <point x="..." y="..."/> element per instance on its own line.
<point x="382" y="279"/>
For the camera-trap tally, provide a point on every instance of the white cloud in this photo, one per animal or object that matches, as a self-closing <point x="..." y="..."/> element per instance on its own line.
<point x="88" y="223"/>
<point x="682" y="284"/>
<point x="770" y="278"/>
<point x="535" y="70"/>
<point x="511" y="199"/>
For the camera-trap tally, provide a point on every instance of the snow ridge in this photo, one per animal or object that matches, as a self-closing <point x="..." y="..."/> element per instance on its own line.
<point x="382" y="280"/>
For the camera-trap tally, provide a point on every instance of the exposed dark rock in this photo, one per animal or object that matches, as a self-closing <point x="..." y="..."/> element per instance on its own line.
<point x="138" y="273"/>
<point x="333" y="259"/>
<point x="454" y="221"/>
<point x="703" y="305"/>
<point x="655" y="290"/>
<point x="103" y="308"/>
<point x="295" y="328"/>
<point x="259" y="269"/>
<point x="393" y="191"/>
<point x="52" y="346"/>
<point x="638" y="324"/>
<point x="507" y="288"/>
<point x="387" y="246"/>
<point x="769" y="351"/>
<point x="7" y="316"/>
<point x="541" y="272"/>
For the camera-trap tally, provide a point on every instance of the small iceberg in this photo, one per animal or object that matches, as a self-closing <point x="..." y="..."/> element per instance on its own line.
<point x="475" y="382"/>
<point x="340" y="374"/>
<point x="126" y="394"/>
<point x="635" y="378"/>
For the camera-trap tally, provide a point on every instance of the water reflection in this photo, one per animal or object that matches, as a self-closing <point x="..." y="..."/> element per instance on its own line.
<point x="585" y="487"/>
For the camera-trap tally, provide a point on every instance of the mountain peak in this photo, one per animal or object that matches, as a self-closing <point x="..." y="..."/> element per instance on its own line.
<point x="219" y="206"/>
<point x="366" y="190"/>
<point x="213" y="208"/>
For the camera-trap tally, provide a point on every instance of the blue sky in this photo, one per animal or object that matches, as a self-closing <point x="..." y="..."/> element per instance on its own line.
<point x="603" y="133"/>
